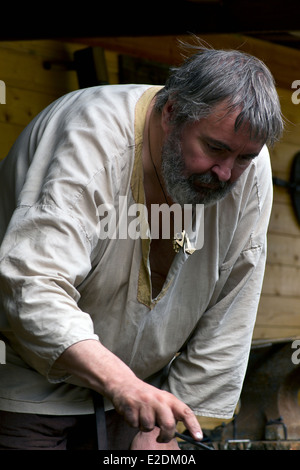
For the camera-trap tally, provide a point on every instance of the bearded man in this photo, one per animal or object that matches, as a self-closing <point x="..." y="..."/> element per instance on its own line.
<point x="162" y="334"/>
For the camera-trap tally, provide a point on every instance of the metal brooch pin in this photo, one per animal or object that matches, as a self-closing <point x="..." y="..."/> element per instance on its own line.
<point x="181" y="241"/>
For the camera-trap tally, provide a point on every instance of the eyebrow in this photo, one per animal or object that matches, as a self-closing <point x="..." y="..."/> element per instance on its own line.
<point x="218" y="143"/>
<point x="223" y="145"/>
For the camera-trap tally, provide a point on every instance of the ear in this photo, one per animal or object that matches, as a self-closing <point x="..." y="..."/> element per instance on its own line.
<point x="166" y="116"/>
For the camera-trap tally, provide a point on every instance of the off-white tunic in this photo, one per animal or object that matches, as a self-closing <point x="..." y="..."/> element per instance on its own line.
<point x="62" y="283"/>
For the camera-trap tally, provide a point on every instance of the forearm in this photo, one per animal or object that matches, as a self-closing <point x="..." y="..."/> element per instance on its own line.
<point x="95" y="366"/>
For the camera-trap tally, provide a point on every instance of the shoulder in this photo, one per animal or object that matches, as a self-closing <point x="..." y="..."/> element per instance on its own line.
<point x="262" y="179"/>
<point x="255" y="188"/>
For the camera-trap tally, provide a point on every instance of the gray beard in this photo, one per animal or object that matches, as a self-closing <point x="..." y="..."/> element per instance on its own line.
<point x="182" y="189"/>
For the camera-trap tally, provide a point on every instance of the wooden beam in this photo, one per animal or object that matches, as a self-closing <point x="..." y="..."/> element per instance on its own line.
<point x="283" y="62"/>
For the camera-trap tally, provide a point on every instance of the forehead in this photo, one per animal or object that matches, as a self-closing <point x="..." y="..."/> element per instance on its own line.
<point x="223" y="116"/>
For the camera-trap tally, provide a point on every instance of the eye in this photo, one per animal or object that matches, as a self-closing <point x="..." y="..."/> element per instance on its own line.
<point x="213" y="148"/>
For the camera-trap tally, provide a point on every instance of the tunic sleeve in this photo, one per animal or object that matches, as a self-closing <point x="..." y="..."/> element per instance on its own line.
<point x="45" y="256"/>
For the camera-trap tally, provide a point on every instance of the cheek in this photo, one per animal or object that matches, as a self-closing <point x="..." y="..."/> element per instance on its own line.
<point x="195" y="161"/>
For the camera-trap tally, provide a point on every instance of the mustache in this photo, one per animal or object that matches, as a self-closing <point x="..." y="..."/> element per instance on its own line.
<point x="208" y="178"/>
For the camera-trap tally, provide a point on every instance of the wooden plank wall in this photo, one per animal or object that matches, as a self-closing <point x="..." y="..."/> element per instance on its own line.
<point x="279" y="310"/>
<point x="30" y="87"/>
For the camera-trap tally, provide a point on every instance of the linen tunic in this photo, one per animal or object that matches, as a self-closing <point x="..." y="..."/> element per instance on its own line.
<point x="63" y="282"/>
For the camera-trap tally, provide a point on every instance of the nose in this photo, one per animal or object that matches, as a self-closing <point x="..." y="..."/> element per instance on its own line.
<point x="222" y="171"/>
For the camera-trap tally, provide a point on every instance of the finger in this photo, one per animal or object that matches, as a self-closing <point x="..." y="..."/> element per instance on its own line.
<point x="191" y="423"/>
<point x="167" y="424"/>
<point x="146" y="419"/>
<point x="130" y="415"/>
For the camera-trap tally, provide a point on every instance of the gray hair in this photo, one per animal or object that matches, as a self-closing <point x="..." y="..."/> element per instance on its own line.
<point x="210" y="77"/>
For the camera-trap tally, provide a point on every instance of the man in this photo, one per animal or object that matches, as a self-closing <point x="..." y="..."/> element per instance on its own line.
<point x="162" y="334"/>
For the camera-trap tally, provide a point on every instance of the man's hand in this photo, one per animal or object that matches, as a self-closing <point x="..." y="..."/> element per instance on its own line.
<point x="145" y="407"/>
<point x="142" y="405"/>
